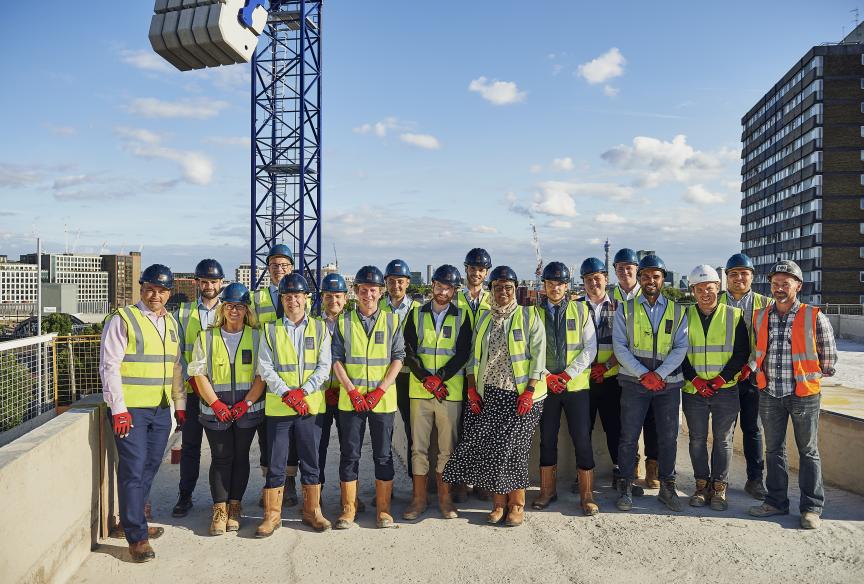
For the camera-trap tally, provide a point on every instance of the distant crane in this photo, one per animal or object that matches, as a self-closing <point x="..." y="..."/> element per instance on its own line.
<point x="538" y="271"/>
<point x="335" y="258"/>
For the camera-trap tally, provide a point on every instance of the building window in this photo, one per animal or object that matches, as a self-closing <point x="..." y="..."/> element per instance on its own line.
<point x="861" y="252"/>
<point x="861" y="276"/>
<point x="861" y="228"/>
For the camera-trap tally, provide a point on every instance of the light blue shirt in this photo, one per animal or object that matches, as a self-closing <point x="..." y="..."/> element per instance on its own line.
<point x="296" y="332"/>
<point x="274" y="296"/>
<point x="207" y="315"/>
<point x="403" y="307"/>
<point x="621" y="344"/>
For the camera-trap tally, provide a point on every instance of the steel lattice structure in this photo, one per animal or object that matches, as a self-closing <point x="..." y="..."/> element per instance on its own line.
<point x="286" y="137"/>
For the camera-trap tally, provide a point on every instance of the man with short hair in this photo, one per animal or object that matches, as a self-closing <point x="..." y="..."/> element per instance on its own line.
<point x="474" y="298"/>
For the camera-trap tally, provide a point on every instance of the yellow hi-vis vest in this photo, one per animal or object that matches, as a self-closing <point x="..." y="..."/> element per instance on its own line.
<point x="231" y="380"/>
<point x="367" y="357"/>
<point x="463" y="304"/>
<point x="435" y="349"/>
<point x="649" y="348"/>
<point x="517" y="345"/>
<point x="618" y="296"/>
<point x="604" y="339"/>
<point x="759" y="301"/>
<point x="262" y="304"/>
<point x="286" y="363"/>
<point x="576" y="319"/>
<point x="147" y="369"/>
<point x="709" y="353"/>
<point x="189" y="321"/>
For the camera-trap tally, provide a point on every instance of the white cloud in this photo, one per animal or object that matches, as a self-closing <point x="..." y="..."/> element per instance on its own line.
<point x="383" y="127"/>
<point x="556" y="202"/>
<point x="595" y="241"/>
<point x="536" y="168"/>
<point x="559" y="224"/>
<point x="607" y="66"/>
<point x="424" y="141"/>
<point x="196" y="168"/>
<point x="610" y="191"/>
<point x="699" y="195"/>
<point x="145" y="60"/>
<point x="563" y="164"/>
<point x="242" y="141"/>
<point x="64" y="182"/>
<point x="17" y="176"/>
<point x="484" y="229"/>
<point x="515" y="206"/>
<point x="610" y="218"/>
<point x="497" y="92"/>
<point x="138" y="134"/>
<point x="196" y="109"/>
<point x="610" y="91"/>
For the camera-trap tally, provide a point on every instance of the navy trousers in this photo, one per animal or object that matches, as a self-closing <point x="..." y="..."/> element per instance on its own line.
<point x="190" y="452"/>
<point x="306" y="432"/>
<point x="576" y="406"/>
<point x="351" y="441"/>
<point x="327" y="419"/>
<point x="635" y="402"/>
<point x="403" y="403"/>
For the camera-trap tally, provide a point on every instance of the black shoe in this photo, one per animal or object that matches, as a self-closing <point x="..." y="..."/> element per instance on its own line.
<point x="756" y="489"/>
<point x="183" y="506"/>
<point x="635" y="490"/>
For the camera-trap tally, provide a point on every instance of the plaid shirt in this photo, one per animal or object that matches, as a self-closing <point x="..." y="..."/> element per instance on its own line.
<point x="778" y="360"/>
<point x="602" y="319"/>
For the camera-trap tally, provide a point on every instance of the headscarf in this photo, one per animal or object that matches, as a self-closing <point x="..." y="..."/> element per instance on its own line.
<point x="501" y="313"/>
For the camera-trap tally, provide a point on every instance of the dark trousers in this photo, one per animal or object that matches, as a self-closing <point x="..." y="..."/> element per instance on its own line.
<point x="264" y="459"/>
<point x="605" y="398"/>
<point x="306" y="432"/>
<point x="804" y="412"/>
<point x="577" y="408"/>
<point x="327" y="419"/>
<point x="351" y="442"/>
<point x="403" y="402"/>
<point x="138" y="458"/>
<point x="635" y="401"/>
<point x="722" y="409"/>
<point x="229" y="468"/>
<point x="190" y="449"/>
<point x="649" y="434"/>
<point x="751" y="433"/>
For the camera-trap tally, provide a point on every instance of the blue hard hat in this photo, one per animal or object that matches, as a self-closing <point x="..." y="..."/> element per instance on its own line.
<point x="293" y="282"/>
<point x="280" y="249"/>
<point x="333" y="283"/>
<point x="236" y="293"/>
<point x="158" y="275"/>
<point x="626" y="256"/>
<point x="652" y="262"/>
<point x="210" y="269"/>
<point x="479" y="258"/>
<point x="503" y="273"/>
<point x="369" y="275"/>
<point x="556" y="272"/>
<point x="449" y="275"/>
<point x="398" y="268"/>
<point x="740" y="260"/>
<point x="592" y="266"/>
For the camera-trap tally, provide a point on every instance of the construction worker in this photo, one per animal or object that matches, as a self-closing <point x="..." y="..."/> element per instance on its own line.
<point x="604" y="392"/>
<point x="294" y="361"/>
<point x="474" y="298"/>
<point x="224" y="364"/>
<point x="192" y="318"/>
<point x="649" y="338"/>
<point x="505" y="401"/>
<point x="397" y="278"/>
<point x="626" y="263"/>
<point x="719" y="347"/>
<point x="571" y="345"/>
<point x="368" y="350"/>
<point x="437" y="347"/>
<point x="739" y="293"/>
<point x="795" y="347"/>
<point x="139" y="358"/>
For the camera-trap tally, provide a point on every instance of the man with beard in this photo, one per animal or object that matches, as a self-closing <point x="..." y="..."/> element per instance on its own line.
<point x="474" y="298"/>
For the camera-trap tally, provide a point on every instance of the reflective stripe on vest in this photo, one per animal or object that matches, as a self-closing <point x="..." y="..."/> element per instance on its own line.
<point x="434" y="351"/>
<point x="189" y="321"/>
<point x="709" y="352"/>
<point x="384" y="306"/>
<point x="231" y="380"/>
<point x="805" y="358"/>
<point x="367" y="357"/>
<point x="463" y="304"/>
<point x="649" y="348"/>
<point x="147" y="369"/>
<point x="605" y="351"/>
<point x="618" y="296"/>
<point x="286" y="363"/>
<point x="576" y="317"/>
<point x="263" y="306"/>
<point x="759" y="301"/>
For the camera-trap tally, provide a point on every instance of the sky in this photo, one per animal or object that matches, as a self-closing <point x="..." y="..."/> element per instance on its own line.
<point x="446" y="127"/>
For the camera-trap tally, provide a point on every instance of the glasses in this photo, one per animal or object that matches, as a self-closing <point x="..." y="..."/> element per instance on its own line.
<point x="235" y="307"/>
<point x="283" y="266"/>
<point x="508" y="289"/>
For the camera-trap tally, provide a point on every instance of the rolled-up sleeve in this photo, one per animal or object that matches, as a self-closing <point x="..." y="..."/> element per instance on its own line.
<point x="113" y="349"/>
<point x="198" y="365"/>
<point x="321" y="374"/>
<point x="266" y="370"/>
<point x="537" y="346"/>
<point x="826" y="346"/>
<point x="680" y="344"/>
<point x="621" y="345"/>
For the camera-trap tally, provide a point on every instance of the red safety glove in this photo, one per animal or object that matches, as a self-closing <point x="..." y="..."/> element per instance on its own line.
<point x="221" y="411"/>
<point x="475" y="402"/>
<point x="239" y="409"/>
<point x="702" y="386"/>
<point x="745" y="373"/>
<point x="358" y="401"/>
<point x="717" y="383"/>
<point x="441" y="393"/>
<point x="559" y="382"/>
<point x="524" y="402"/>
<point x="122" y="424"/>
<point x="652" y="382"/>
<point x="331" y="396"/>
<point x="373" y="397"/>
<point x="598" y="370"/>
<point x="180" y="417"/>
<point x="296" y="400"/>
<point x="431" y="383"/>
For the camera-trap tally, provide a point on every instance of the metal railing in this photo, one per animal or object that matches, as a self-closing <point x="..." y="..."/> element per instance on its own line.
<point x="847" y="309"/>
<point x="27" y="380"/>
<point x="76" y="367"/>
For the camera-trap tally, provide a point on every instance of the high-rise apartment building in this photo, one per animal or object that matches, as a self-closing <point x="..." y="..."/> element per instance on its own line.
<point x="82" y="269"/>
<point x="124" y="271"/>
<point x="243" y="274"/>
<point x="18" y="287"/>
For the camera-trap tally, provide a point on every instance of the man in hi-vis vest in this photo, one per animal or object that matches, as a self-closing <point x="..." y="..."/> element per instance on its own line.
<point x="794" y="349"/>
<point x="140" y="357"/>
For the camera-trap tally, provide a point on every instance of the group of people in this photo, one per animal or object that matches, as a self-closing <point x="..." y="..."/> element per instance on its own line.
<point x="472" y="368"/>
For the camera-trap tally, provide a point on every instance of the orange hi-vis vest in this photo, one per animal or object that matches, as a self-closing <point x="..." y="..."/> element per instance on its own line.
<point x="805" y="359"/>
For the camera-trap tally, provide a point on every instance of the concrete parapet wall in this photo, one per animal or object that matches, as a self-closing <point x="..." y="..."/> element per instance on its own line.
<point x="847" y="326"/>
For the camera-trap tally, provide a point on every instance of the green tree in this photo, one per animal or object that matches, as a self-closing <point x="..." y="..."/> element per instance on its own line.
<point x="16" y="391"/>
<point x="57" y="323"/>
<point x="677" y="295"/>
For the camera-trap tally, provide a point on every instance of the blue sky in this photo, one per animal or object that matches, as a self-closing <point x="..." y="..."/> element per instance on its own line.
<point x="446" y="127"/>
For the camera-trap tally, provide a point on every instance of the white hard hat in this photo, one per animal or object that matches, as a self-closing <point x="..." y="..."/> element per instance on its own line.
<point x="703" y="273"/>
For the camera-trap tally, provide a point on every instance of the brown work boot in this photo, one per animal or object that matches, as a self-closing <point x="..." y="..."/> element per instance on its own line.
<point x="349" y="505"/>
<point x="586" y="492"/>
<point x="718" y="499"/>
<point x="220" y="519"/>
<point x="272" y="512"/>
<point x="290" y="497"/>
<point x="499" y="508"/>
<point x="702" y="494"/>
<point x="515" y="508"/>
<point x="652" y="476"/>
<point x="312" y="515"/>
<point x="383" y="494"/>
<point x="418" y="499"/>
<point x="445" y="503"/>
<point x="234" y="511"/>
<point x="141" y="551"/>
<point x="548" y="487"/>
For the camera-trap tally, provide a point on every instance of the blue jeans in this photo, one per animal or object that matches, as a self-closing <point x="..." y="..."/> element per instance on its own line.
<point x="305" y="431"/>
<point x="804" y="412"/>
<point x="353" y="426"/>
<point x="635" y="401"/>
<point x="722" y="409"/>
<point x="751" y="433"/>
<point x="190" y="449"/>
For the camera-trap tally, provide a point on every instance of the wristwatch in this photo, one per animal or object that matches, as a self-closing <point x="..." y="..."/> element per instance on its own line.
<point x="249" y="403"/>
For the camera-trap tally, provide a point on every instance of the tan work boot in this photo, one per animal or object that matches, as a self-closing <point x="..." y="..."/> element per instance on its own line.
<point x="499" y="504"/>
<point x="515" y="508"/>
<point x="702" y="494"/>
<point x="383" y="493"/>
<point x="586" y="492"/>
<point x="718" y="497"/>
<point x="445" y="502"/>
<point x="652" y="474"/>
<point x="548" y="487"/>
<point x="220" y="519"/>
<point x="312" y="515"/>
<point x="272" y="512"/>
<point x="234" y="511"/>
<point x="418" y="500"/>
<point x="349" y="505"/>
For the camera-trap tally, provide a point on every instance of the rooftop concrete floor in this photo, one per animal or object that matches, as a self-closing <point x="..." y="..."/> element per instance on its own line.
<point x="649" y="544"/>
